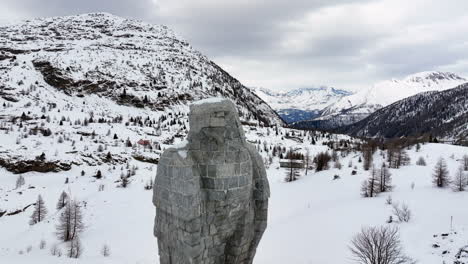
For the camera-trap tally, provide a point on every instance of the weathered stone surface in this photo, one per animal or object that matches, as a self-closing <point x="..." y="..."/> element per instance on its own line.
<point x="211" y="194"/>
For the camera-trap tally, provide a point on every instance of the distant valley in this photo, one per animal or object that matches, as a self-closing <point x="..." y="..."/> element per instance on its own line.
<point x="301" y="104"/>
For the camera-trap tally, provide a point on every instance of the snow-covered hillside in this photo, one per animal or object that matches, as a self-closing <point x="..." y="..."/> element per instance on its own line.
<point x="127" y="61"/>
<point x="357" y="106"/>
<point x="311" y="220"/>
<point x="301" y="104"/>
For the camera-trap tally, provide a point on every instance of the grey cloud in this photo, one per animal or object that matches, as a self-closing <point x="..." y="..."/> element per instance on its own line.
<point x="277" y="43"/>
<point x="41" y="8"/>
<point x="238" y="29"/>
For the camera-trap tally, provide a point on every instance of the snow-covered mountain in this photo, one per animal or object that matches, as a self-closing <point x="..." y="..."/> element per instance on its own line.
<point x="301" y="104"/>
<point x="88" y="101"/>
<point x="357" y="106"/>
<point x="438" y="113"/>
<point x="127" y="61"/>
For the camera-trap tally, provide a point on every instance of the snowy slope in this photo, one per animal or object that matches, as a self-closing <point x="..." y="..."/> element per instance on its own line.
<point x="110" y="56"/>
<point x="357" y="106"/>
<point x="310" y="221"/>
<point x="300" y="104"/>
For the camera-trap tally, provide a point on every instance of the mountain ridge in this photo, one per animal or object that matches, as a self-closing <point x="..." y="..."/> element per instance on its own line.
<point x="356" y="107"/>
<point x="99" y="53"/>
<point x="437" y="113"/>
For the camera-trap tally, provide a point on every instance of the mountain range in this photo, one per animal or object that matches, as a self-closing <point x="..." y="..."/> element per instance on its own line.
<point x="302" y="103"/>
<point x="437" y="113"/>
<point x="355" y="107"/>
<point x="132" y="63"/>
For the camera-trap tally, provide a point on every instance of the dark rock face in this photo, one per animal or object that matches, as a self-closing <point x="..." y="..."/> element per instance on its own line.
<point x="22" y="166"/>
<point x="211" y="194"/>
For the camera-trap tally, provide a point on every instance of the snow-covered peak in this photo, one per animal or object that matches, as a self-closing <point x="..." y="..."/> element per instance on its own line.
<point x="433" y="76"/>
<point x="387" y="92"/>
<point x="128" y="61"/>
<point x="309" y="99"/>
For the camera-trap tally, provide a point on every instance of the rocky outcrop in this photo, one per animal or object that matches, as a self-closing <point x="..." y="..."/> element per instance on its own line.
<point x="18" y="165"/>
<point x="211" y="194"/>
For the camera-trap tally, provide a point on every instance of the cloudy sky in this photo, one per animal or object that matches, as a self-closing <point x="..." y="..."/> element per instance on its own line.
<point x="283" y="44"/>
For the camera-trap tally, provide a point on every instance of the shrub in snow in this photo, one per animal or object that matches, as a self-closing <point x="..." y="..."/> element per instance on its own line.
<point x="100" y="148"/>
<point x="124" y="181"/>
<point x="20" y="181"/>
<point x="74" y="248"/>
<point x="98" y="175"/>
<point x="338" y="165"/>
<point x="149" y="184"/>
<point x="321" y="161"/>
<point x="378" y="245"/>
<point x="421" y="162"/>
<point x="105" y="251"/>
<point x="403" y="213"/>
<point x="389" y="200"/>
<point x="54" y="250"/>
<point x="42" y="244"/>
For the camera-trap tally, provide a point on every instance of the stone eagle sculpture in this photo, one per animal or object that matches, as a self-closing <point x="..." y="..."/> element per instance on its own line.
<point x="211" y="193"/>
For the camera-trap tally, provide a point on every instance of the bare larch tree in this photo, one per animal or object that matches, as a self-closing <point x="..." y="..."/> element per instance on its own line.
<point x="441" y="174"/>
<point x="39" y="212"/>
<point x="460" y="180"/>
<point x="70" y="222"/>
<point x="63" y="199"/>
<point x="385" y="179"/>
